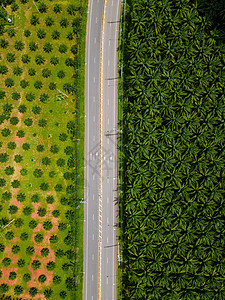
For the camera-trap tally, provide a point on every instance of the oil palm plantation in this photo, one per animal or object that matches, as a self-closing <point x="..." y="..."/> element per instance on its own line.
<point x="173" y="210"/>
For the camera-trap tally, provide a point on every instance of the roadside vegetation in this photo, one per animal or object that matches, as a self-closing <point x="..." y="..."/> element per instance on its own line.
<point x="40" y="237"/>
<point x="173" y="139"/>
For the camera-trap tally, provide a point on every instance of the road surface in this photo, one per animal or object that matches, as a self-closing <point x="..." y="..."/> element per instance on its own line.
<point x="100" y="250"/>
<point x="110" y="100"/>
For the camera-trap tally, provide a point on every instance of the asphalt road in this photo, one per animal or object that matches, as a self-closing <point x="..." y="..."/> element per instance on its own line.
<point x="92" y="73"/>
<point x="110" y="100"/>
<point x="107" y="28"/>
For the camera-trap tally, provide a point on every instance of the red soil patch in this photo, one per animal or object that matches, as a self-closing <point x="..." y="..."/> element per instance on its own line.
<point x="5" y="272"/>
<point x="45" y="243"/>
<point x="5" y="276"/>
<point x="35" y="215"/>
<point x="44" y="260"/>
<point x="17" y="203"/>
<point x="15" y="239"/>
<point x="34" y="277"/>
<point x="38" y="228"/>
<point x="50" y="208"/>
<point x="37" y="297"/>
<point x="46" y="236"/>
<point x="19" y="141"/>
<point x="8" y="253"/>
<point x="48" y="216"/>
<point x="50" y="193"/>
<point x="15" y="191"/>
<point x="19" y="116"/>
<point x="55" y="224"/>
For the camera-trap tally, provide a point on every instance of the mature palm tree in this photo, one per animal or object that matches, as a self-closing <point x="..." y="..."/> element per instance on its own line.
<point x="140" y="19"/>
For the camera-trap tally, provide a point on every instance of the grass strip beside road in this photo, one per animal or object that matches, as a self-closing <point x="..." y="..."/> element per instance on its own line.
<point x="80" y="146"/>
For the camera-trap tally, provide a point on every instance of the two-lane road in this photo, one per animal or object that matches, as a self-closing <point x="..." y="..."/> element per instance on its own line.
<point x="100" y="250"/>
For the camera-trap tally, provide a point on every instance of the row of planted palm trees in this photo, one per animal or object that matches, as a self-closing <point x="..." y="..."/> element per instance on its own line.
<point x="173" y="202"/>
<point x="4" y="297"/>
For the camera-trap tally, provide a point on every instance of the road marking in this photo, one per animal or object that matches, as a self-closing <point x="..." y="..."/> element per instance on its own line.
<point x="88" y="137"/>
<point x="94" y="60"/>
<point x="107" y="239"/>
<point x="93" y="236"/>
<point x="100" y="152"/>
<point x="93" y="197"/>
<point x="93" y="118"/>
<point x="108" y="121"/>
<point x="107" y="259"/>
<point x="93" y="15"/>
<point x="92" y="277"/>
<point x="108" y="62"/>
<point x="107" y="220"/>
<point x="107" y="200"/>
<point x="94" y="79"/>
<point x="92" y="256"/>
<point x="94" y="99"/>
<point x="93" y="176"/>
<point x="109" y="42"/>
<point x="107" y="280"/>
<point x="93" y="138"/>
<point x="96" y="20"/>
<point x="108" y="101"/>
<point x="93" y="217"/>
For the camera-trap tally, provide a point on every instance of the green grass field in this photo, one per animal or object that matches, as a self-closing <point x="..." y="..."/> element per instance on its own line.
<point x="38" y="156"/>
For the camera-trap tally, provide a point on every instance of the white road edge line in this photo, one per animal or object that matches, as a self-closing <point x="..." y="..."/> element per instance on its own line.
<point x="115" y="145"/>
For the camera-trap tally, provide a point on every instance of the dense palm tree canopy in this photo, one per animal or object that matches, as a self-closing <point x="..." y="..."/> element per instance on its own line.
<point x="174" y="150"/>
